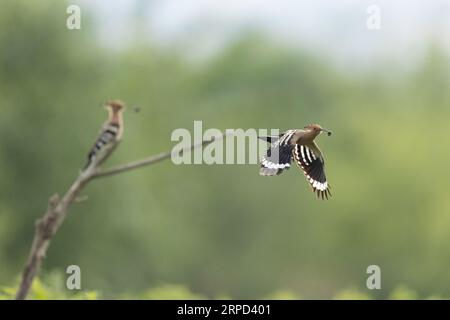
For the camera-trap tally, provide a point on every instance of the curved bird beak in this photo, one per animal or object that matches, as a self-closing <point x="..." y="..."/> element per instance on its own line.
<point x="329" y="133"/>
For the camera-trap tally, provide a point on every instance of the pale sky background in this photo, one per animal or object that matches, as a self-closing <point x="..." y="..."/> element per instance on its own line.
<point x="334" y="28"/>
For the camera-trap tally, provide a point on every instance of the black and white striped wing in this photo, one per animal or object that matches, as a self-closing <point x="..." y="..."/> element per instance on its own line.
<point x="108" y="135"/>
<point x="310" y="160"/>
<point x="278" y="157"/>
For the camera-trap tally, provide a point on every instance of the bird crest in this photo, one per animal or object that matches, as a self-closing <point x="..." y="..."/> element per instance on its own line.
<point x="115" y="105"/>
<point x="313" y="126"/>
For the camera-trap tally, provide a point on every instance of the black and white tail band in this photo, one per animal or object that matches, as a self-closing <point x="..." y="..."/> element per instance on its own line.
<point x="278" y="157"/>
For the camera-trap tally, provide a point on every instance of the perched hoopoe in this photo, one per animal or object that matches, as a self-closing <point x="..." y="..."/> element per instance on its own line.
<point x="300" y="146"/>
<point x="111" y="132"/>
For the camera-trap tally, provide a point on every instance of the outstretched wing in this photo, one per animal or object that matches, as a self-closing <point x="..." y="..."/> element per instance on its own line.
<point x="278" y="157"/>
<point x="310" y="160"/>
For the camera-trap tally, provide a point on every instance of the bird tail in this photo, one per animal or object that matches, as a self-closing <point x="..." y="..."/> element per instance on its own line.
<point x="276" y="160"/>
<point x="269" y="172"/>
<point x="90" y="158"/>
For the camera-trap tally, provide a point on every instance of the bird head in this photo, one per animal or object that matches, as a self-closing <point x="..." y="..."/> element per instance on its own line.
<point x="316" y="129"/>
<point x="115" y="106"/>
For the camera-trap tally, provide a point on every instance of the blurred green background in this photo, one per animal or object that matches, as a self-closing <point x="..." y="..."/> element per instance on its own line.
<point x="222" y="230"/>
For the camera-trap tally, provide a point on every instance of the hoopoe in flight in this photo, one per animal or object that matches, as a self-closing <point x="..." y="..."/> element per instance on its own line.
<point x="298" y="145"/>
<point x="112" y="130"/>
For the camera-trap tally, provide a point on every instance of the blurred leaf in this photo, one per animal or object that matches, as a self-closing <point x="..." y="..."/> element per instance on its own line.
<point x="403" y="293"/>
<point x="170" y="292"/>
<point x="352" y="294"/>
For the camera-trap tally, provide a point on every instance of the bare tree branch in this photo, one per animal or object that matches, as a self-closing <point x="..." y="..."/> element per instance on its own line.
<point x="47" y="226"/>
<point x="149" y="160"/>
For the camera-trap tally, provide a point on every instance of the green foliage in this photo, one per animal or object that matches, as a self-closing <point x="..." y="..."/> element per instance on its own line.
<point x="403" y="293"/>
<point x="221" y="229"/>
<point x="55" y="291"/>
<point x="170" y="292"/>
<point x="352" y="294"/>
<point x="283" y="295"/>
<point x="40" y="291"/>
